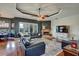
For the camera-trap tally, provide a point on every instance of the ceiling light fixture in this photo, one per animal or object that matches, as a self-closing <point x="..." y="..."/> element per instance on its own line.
<point x="41" y="17"/>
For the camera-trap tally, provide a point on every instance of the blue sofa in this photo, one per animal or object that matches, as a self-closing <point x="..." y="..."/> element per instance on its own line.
<point x="3" y="35"/>
<point x="34" y="49"/>
<point x="35" y="35"/>
<point x="10" y="34"/>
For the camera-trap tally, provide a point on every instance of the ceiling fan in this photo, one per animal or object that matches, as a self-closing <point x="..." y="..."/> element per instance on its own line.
<point x="39" y="9"/>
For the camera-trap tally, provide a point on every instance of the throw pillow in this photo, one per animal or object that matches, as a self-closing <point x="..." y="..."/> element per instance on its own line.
<point x="27" y="44"/>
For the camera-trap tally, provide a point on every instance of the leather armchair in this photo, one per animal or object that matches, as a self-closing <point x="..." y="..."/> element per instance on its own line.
<point x="35" y="50"/>
<point x="30" y="49"/>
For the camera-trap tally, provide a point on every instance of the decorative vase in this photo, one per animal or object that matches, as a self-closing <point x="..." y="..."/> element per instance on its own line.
<point x="74" y="44"/>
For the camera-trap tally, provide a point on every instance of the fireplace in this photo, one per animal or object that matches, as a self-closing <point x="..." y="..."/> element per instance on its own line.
<point x="45" y="33"/>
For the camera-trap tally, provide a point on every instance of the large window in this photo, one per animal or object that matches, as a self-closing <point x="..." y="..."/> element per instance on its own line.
<point x="28" y="27"/>
<point x="4" y="26"/>
<point x="35" y="28"/>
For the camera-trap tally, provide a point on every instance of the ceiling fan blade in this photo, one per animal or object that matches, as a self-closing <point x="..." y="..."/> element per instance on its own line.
<point x="53" y="13"/>
<point x="25" y="12"/>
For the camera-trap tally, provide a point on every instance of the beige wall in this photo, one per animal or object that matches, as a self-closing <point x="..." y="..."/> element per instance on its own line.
<point x="72" y="21"/>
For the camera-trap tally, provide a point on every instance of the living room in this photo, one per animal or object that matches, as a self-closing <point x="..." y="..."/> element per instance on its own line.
<point x="39" y="29"/>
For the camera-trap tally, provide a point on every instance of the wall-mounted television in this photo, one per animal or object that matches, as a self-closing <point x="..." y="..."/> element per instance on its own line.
<point x="62" y="29"/>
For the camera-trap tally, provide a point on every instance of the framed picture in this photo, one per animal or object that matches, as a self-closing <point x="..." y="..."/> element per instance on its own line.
<point x="62" y="29"/>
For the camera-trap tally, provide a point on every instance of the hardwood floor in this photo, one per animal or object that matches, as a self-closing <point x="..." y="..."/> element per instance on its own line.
<point x="60" y="54"/>
<point x="10" y="48"/>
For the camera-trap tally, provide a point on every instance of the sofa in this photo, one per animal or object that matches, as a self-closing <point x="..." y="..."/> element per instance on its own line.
<point x="35" y="35"/>
<point x="64" y="43"/>
<point x="3" y="35"/>
<point x="34" y="49"/>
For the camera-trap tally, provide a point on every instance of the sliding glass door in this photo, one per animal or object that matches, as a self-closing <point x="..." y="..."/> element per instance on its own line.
<point x="25" y="27"/>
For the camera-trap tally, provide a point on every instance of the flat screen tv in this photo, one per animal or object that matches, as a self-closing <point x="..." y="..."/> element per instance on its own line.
<point x="62" y="29"/>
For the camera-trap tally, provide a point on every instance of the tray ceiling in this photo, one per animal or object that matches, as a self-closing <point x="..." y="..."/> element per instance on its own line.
<point x="67" y="9"/>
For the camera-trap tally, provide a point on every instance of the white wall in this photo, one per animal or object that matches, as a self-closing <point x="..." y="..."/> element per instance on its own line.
<point x="72" y="21"/>
<point x="7" y="10"/>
